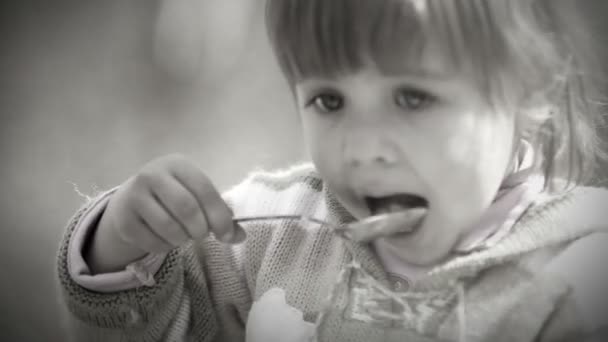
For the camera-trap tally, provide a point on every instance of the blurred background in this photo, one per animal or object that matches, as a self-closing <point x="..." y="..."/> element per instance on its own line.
<point x="92" y="90"/>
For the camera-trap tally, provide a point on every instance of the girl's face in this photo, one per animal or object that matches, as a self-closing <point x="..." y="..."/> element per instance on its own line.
<point x="428" y="133"/>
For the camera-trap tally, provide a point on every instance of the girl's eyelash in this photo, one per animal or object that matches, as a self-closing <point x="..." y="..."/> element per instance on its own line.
<point x="320" y="104"/>
<point x="402" y="98"/>
<point x="427" y="97"/>
<point x="312" y="99"/>
<point x="414" y="90"/>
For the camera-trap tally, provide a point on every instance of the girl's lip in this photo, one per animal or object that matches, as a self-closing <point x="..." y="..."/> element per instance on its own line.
<point x="405" y="235"/>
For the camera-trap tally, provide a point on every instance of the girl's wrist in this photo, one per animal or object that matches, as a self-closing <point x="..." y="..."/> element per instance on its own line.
<point x="106" y="252"/>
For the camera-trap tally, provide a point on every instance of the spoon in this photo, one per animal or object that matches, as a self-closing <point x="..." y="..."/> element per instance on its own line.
<point x="368" y="229"/>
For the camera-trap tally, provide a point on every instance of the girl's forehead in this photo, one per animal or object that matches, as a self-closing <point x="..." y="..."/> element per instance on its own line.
<point x="432" y="64"/>
<point x="431" y="61"/>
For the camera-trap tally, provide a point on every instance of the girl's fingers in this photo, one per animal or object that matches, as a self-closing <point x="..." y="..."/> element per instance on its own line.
<point x="217" y="213"/>
<point x="160" y="221"/>
<point x="182" y="206"/>
<point x="149" y="240"/>
<point x="141" y="235"/>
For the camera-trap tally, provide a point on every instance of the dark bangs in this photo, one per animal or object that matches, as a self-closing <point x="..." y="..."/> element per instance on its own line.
<point x="330" y="37"/>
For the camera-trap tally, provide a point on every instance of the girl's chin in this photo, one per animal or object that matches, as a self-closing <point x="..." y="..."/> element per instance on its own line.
<point x="411" y="249"/>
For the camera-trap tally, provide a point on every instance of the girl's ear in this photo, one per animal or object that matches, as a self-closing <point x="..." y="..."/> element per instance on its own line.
<point x="525" y="157"/>
<point x="204" y="38"/>
<point x="520" y="149"/>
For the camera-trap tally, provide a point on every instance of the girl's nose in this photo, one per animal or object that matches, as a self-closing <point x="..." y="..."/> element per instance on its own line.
<point x="365" y="148"/>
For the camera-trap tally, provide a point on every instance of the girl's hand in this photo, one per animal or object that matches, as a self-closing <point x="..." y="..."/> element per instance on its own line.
<point x="169" y="202"/>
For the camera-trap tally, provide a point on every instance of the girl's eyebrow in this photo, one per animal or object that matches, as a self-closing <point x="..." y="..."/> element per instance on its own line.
<point x="398" y="73"/>
<point x="317" y="81"/>
<point x="420" y="73"/>
<point x="307" y="87"/>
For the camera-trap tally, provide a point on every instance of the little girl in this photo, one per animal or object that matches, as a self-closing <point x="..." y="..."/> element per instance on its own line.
<point x="462" y="123"/>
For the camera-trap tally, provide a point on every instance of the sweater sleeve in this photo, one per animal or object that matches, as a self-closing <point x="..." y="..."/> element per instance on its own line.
<point x="199" y="292"/>
<point x="135" y="274"/>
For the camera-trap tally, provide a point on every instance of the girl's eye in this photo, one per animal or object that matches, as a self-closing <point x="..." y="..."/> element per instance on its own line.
<point x="326" y="103"/>
<point x="413" y="99"/>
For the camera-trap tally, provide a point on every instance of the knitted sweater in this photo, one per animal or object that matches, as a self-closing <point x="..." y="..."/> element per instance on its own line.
<point x="540" y="283"/>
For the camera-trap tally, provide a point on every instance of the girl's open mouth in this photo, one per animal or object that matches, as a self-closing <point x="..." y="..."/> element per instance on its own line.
<point x="395" y="203"/>
<point x="394" y="215"/>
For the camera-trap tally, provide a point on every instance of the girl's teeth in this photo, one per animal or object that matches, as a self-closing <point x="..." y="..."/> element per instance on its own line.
<point x="395" y="203"/>
<point x="389" y="208"/>
<point x="395" y="207"/>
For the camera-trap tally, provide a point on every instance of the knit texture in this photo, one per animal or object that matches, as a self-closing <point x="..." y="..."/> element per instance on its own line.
<point x="204" y="291"/>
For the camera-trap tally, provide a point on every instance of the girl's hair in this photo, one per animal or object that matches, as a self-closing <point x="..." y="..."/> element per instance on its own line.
<point x="527" y="54"/>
